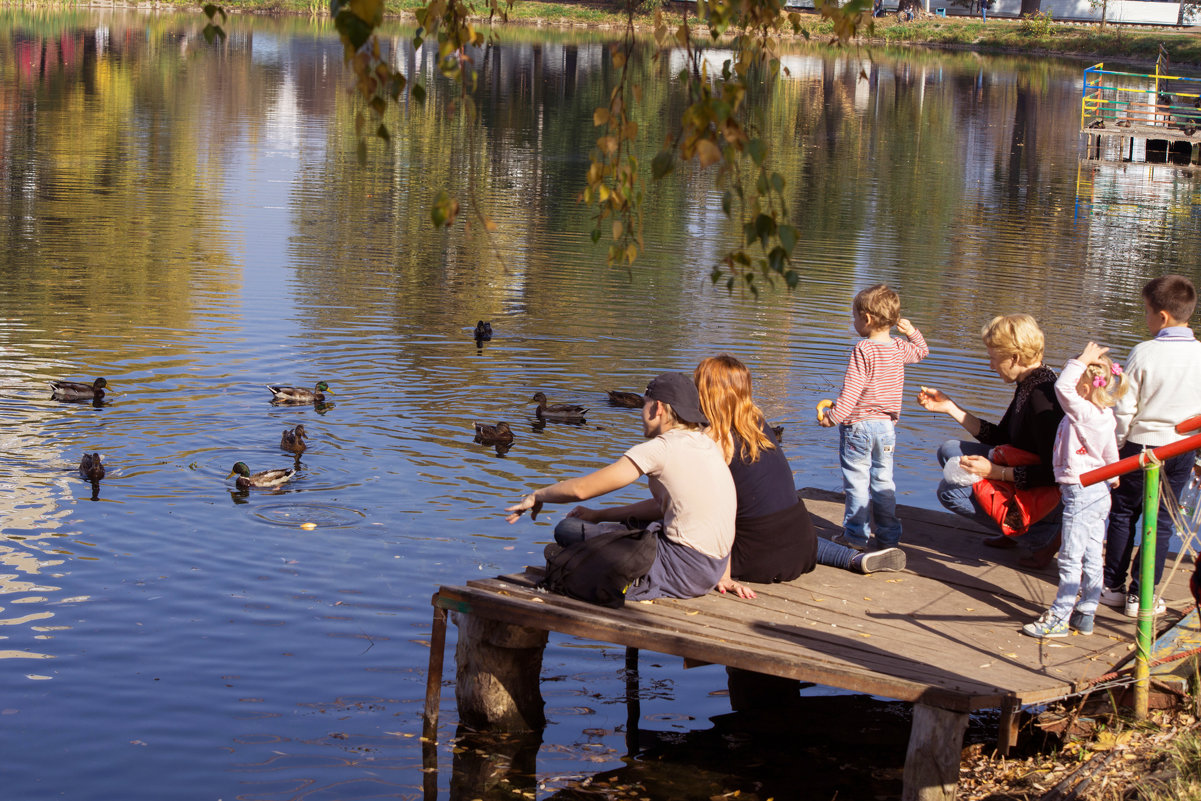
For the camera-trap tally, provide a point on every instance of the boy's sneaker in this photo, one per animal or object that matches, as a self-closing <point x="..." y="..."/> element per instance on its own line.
<point x="1132" y="605"/>
<point x="887" y="560"/>
<point x="1081" y="623"/>
<point x="1046" y="627"/>
<point x="1113" y="597"/>
<point x="841" y="539"/>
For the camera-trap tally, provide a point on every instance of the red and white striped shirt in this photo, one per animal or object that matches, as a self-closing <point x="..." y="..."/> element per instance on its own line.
<point x="875" y="379"/>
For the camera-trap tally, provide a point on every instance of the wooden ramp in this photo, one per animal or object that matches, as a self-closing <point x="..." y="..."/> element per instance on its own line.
<point x="944" y="633"/>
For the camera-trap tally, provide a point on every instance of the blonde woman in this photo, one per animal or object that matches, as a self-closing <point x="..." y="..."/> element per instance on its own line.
<point x="1015" y="346"/>
<point x="774" y="539"/>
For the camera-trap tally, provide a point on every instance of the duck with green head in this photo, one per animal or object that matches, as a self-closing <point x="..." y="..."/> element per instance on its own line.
<point x="299" y="394"/>
<point x="74" y="390"/>
<point x="267" y="478"/>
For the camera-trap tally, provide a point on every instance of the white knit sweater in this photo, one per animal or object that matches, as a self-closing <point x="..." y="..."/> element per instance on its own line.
<point x="1164" y="377"/>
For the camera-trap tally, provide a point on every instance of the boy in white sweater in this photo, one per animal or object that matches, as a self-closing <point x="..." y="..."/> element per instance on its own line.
<point x="1165" y="387"/>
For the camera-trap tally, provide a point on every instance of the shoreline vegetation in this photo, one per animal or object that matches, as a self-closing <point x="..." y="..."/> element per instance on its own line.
<point x="1034" y="36"/>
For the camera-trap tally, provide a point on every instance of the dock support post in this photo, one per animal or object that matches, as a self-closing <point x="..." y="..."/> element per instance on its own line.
<point x="633" y="702"/>
<point x="498" y="667"/>
<point x="932" y="761"/>
<point x="1007" y="731"/>
<point x="433" y="675"/>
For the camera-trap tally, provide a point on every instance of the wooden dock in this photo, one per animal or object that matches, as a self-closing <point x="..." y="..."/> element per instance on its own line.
<point x="944" y="635"/>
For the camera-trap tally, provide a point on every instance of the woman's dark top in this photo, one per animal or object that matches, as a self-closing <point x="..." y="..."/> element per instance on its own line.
<point x="1029" y="423"/>
<point x="774" y="539"/>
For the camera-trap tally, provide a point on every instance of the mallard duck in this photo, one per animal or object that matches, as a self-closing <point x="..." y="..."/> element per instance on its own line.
<point x="499" y="434"/>
<point x="628" y="400"/>
<point x="779" y="432"/>
<point x="300" y="394"/>
<point x="558" y="412"/>
<point x="73" y="390"/>
<point x="267" y="478"/>
<point x="483" y="331"/>
<point x="90" y="467"/>
<point x="293" y="439"/>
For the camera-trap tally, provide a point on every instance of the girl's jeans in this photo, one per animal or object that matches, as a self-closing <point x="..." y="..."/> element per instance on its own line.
<point x="865" y="452"/>
<point x="1085" y="510"/>
<point x="962" y="501"/>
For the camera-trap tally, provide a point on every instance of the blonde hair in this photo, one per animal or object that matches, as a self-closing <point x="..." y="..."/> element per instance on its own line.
<point x="881" y="302"/>
<point x="1106" y="394"/>
<point x="724" y="384"/>
<point x="1016" y="335"/>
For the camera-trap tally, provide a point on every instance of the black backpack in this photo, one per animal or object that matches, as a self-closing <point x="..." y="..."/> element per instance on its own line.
<point x="600" y="569"/>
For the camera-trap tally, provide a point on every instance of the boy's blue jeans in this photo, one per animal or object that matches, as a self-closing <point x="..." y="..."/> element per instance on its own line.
<point x="865" y="452"/>
<point x="1085" y="511"/>
<point x="962" y="501"/>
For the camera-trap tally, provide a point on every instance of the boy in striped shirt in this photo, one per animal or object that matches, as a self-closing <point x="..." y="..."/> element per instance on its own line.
<point x="866" y="409"/>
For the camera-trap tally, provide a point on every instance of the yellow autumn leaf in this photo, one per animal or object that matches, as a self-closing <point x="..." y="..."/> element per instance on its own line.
<point x="600" y="116"/>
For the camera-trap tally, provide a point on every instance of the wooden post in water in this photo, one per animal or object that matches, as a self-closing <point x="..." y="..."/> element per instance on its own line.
<point x="497" y="671"/>
<point x="932" y="761"/>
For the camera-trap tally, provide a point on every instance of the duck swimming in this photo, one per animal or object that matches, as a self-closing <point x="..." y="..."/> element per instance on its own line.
<point x="267" y="478"/>
<point x="628" y="400"/>
<point x="293" y="440"/>
<point x="483" y="331"/>
<point x="90" y="467"/>
<point x="73" y="390"/>
<point x="558" y="412"/>
<point x="300" y="394"/>
<point x="499" y="434"/>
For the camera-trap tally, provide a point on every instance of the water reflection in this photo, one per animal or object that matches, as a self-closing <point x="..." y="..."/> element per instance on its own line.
<point x="191" y="222"/>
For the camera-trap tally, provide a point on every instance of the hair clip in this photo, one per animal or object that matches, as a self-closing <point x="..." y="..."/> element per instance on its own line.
<point x="1100" y="381"/>
<point x="1115" y="368"/>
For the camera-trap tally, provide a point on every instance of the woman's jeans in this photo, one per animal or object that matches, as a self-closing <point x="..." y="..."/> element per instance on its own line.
<point x="865" y="452"/>
<point x="1085" y="511"/>
<point x="962" y="501"/>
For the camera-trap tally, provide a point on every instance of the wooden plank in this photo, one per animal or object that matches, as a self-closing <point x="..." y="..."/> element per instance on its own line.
<point x="638" y="629"/>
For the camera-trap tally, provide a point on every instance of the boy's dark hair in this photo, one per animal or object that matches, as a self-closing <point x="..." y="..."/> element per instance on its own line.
<point x="1173" y="294"/>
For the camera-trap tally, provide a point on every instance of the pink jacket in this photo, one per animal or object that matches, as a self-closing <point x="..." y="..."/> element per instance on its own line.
<point x="1086" y="437"/>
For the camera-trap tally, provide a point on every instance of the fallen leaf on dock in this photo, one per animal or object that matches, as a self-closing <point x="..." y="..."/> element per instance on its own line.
<point x="693" y="612"/>
<point x="864" y="634"/>
<point x="866" y="598"/>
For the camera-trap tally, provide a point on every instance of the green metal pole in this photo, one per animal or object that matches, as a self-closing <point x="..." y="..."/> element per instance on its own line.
<point x="1146" y="592"/>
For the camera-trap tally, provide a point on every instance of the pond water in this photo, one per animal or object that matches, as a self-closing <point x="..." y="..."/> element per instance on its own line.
<point x="191" y="223"/>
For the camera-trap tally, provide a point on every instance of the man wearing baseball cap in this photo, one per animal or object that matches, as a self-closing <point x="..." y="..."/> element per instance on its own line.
<point x="692" y="492"/>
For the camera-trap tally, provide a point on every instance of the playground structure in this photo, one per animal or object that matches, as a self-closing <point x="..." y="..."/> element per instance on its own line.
<point x="1159" y="111"/>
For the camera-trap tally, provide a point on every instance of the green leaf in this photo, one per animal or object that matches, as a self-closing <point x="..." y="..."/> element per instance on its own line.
<point x="777" y="259"/>
<point x="765" y="228"/>
<point x="352" y="28"/>
<point x="792" y="278"/>
<point x="749" y="233"/>
<point x="382" y="133"/>
<point x="788" y="237"/>
<point x="758" y="151"/>
<point x="210" y="10"/>
<point x="727" y="202"/>
<point x="761" y="184"/>
<point x="777" y="183"/>
<point x="418" y="93"/>
<point x="663" y="164"/>
<point x="730" y="284"/>
<point x="596" y="235"/>
<point x="716" y="275"/>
